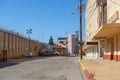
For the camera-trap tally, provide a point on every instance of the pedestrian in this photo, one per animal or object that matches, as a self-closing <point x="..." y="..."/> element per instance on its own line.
<point x="75" y="54"/>
<point x="69" y="53"/>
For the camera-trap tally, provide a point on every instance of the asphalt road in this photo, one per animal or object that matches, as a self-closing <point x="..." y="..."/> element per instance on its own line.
<point x="48" y="68"/>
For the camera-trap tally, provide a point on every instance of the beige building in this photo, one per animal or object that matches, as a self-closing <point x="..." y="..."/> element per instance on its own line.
<point x="69" y="44"/>
<point x="103" y="28"/>
<point x="72" y="44"/>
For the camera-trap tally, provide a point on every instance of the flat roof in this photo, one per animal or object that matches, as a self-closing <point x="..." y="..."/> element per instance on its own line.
<point x="62" y="38"/>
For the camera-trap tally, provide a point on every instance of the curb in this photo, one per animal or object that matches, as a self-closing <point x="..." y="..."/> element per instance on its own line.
<point x="88" y="76"/>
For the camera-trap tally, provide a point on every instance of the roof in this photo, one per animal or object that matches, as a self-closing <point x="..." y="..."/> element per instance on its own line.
<point x="58" y="46"/>
<point x="62" y="38"/>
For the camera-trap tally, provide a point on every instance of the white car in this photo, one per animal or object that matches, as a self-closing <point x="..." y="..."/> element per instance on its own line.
<point x="56" y="53"/>
<point x="49" y="53"/>
<point x="28" y="55"/>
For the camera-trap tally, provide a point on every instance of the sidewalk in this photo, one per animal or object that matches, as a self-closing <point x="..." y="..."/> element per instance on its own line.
<point x="103" y="69"/>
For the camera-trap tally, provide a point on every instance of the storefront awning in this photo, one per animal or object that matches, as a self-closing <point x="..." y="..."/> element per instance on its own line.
<point x="89" y="44"/>
<point x="107" y="30"/>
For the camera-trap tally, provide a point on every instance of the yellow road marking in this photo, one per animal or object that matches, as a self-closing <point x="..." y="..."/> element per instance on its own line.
<point x="81" y="64"/>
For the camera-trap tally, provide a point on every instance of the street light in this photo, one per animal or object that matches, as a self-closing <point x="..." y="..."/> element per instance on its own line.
<point x="29" y="31"/>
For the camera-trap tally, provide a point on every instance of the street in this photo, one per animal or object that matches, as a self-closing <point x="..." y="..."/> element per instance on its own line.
<point x="47" y="68"/>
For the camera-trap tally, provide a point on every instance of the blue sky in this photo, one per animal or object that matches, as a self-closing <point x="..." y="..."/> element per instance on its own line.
<point x="45" y="17"/>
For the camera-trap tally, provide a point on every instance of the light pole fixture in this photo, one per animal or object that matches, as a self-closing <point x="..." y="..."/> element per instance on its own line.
<point x="29" y="31"/>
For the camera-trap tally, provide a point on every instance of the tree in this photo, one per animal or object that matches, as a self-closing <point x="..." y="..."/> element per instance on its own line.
<point x="51" y="41"/>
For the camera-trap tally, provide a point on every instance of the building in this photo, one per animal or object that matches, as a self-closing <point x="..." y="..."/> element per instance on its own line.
<point x="62" y="43"/>
<point x="103" y="29"/>
<point x="60" y="49"/>
<point x="72" y="44"/>
<point x="69" y="44"/>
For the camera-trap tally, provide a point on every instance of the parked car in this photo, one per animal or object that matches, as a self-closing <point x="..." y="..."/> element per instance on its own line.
<point x="56" y="53"/>
<point x="29" y="55"/>
<point x="48" y="53"/>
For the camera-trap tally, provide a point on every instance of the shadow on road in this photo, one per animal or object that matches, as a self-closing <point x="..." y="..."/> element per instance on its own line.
<point x="13" y="62"/>
<point x="7" y="64"/>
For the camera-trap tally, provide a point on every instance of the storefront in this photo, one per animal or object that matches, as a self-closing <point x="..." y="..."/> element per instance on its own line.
<point x="109" y="37"/>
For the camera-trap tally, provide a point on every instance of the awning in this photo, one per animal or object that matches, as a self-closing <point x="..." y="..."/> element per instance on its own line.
<point x="89" y="44"/>
<point x="107" y="30"/>
<point x="58" y="47"/>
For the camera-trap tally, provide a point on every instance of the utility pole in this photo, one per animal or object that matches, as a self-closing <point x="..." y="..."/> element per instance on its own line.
<point x="81" y="29"/>
<point x="77" y="39"/>
<point x="80" y="8"/>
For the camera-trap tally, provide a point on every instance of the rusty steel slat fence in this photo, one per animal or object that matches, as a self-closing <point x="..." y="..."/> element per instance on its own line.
<point x="14" y="45"/>
<point x="3" y="55"/>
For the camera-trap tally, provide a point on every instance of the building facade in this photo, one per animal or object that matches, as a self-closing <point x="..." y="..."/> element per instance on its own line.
<point x="72" y="44"/>
<point x="63" y="41"/>
<point x="60" y="49"/>
<point x="69" y="44"/>
<point x="103" y="26"/>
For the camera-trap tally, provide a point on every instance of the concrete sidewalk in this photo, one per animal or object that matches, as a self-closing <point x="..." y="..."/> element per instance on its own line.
<point x="103" y="69"/>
